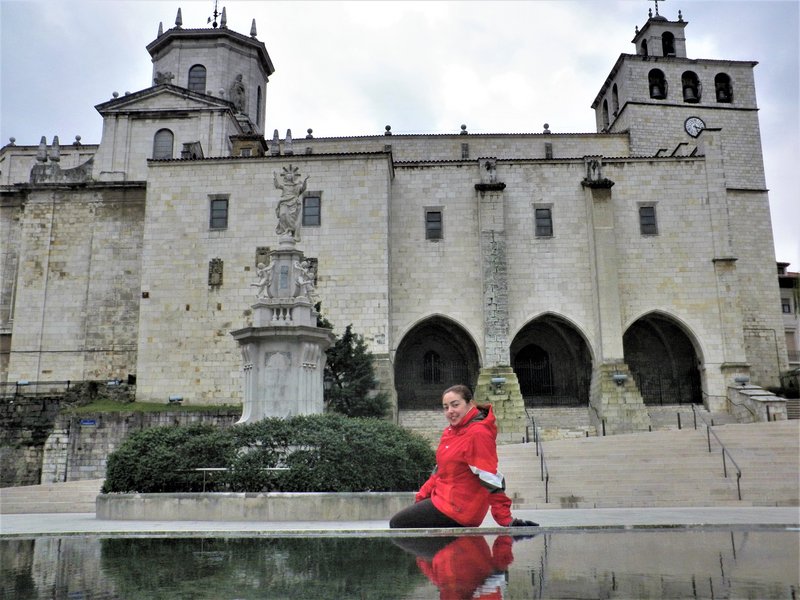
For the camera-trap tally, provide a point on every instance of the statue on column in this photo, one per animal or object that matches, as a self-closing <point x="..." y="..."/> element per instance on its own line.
<point x="289" y="206"/>
<point x="264" y="273"/>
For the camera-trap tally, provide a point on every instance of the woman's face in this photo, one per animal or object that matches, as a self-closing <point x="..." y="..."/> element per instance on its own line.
<point x="455" y="407"/>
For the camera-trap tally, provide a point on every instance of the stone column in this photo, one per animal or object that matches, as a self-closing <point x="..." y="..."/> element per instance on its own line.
<point x="505" y="397"/>
<point x="726" y="278"/>
<point x="615" y="402"/>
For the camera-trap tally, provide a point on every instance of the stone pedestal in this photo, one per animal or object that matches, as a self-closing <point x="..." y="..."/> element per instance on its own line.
<point x="283" y="353"/>
<point x="506" y="400"/>
<point x="616" y="401"/>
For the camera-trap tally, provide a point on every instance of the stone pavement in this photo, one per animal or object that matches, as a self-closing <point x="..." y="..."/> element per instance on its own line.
<point x="61" y="524"/>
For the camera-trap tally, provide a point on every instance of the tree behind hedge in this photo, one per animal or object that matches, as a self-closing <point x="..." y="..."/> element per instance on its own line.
<point x="350" y="370"/>
<point x="314" y="453"/>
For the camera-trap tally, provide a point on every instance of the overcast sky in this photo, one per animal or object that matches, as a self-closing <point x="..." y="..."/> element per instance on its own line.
<point x="350" y="68"/>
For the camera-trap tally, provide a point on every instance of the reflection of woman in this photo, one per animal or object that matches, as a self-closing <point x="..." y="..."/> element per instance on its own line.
<point x="465" y="483"/>
<point x="463" y="567"/>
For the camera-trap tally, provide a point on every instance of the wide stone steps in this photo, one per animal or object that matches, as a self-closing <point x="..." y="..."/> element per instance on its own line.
<point x="68" y="497"/>
<point x="660" y="468"/>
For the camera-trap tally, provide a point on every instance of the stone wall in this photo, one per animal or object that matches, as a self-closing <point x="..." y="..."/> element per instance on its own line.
<point x="25" y="424"/>
<point x="79" y="446"/>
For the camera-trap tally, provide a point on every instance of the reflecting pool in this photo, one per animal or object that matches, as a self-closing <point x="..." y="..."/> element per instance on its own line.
<point x="652" y="563"/>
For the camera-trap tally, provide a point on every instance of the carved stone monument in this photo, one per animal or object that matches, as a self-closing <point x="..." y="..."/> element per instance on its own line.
<point x="283" y="352"/>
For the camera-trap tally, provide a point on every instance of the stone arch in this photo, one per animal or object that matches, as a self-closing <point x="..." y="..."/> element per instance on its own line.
<point x="615" y="100"/>
<point x="692" y="90"/>
<point x="434" y="354"/>
<point x="668" y="43"/>
<point x="723" y="88"/>
<point x="664" y="358"/>
<point x="657" y="84"/>
<point x="553" y="362"/>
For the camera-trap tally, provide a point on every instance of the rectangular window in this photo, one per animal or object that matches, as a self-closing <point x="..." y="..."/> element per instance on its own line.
<point x="312" y="210"/>
<point x="433" y="224"/>
<point x="219" y="213"/>
<point x="647" y="220"/>
<point x="544" y="222"/>
<point x="786" y="306"/>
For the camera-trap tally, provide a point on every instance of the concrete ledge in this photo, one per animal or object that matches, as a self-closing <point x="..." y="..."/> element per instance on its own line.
<point x="346" y="506"/>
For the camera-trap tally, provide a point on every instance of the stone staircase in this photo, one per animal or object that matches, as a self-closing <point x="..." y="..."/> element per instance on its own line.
<point x="664" y="468"/>
<point x="67" y="497"/>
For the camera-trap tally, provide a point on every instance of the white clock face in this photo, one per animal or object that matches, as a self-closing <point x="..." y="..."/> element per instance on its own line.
<point x="694" y="125"/>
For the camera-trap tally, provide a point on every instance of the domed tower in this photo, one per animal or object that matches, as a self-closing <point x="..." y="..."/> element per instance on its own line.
<point x="208" y="93"/>
<point x="218" y="62"/>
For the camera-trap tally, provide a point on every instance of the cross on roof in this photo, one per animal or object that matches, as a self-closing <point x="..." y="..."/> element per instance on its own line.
<point x="656" y="1"/>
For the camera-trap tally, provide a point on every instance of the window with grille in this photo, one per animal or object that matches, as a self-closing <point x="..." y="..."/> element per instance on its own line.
<point x="544" y="222"/>
<point x="433" y="224"/>
<point x="219" y="212"/>
<point x="162" y="143"/>
<point x="647" y="220"/>
<point x="197" y="79"/>
<point x="312" y="210"/>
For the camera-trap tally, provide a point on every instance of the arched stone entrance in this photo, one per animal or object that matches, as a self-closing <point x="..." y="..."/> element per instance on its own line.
<point x="663" y="361"/>
<point x="434" y="355"/>
<point x="552" y="362"/>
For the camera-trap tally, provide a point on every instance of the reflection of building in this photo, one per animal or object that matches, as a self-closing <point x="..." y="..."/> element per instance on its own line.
<point x="582" y="260"/>
<point x="789" y="284"/>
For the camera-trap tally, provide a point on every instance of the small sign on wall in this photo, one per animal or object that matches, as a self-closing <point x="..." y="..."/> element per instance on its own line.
<point x="88" y="422"/>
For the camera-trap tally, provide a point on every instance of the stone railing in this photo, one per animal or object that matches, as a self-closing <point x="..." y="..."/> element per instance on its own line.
<point x="751" y="404"/>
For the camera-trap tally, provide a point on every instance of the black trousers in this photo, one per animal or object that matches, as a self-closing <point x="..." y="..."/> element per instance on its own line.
<point x="421" y="515"/>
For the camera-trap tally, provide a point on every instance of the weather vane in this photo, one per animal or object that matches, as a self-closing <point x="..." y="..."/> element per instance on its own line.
<point x="651" y="14"/>
<point x="216" y="14"/>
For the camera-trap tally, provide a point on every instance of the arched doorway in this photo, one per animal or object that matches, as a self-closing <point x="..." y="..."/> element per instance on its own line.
<point x="662" y="361"/>
<point x="552" y="362"/>
<point x="434" y="355"/>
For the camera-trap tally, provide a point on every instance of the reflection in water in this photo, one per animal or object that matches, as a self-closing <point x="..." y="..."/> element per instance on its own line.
<point x="744" y="563"/>
<point x="463" y="567"/>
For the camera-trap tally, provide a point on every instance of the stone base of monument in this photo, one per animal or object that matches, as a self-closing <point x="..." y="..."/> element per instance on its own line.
<point x="499" y="387"/>
<point x="274" y="506"/>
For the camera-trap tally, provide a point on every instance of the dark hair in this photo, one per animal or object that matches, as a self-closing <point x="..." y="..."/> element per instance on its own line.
<point x="460" y="389"/>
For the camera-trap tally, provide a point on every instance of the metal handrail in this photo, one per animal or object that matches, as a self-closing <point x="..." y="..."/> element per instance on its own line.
<point x="543" y="470"/>
<point x="725" y="451"/>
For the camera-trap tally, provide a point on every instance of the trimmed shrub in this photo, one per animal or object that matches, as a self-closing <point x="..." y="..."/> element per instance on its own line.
<point x="314" y="453"/>
<point x="160" y="459"/>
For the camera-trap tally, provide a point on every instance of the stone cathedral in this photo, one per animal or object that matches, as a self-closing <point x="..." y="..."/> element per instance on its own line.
<point x="610" y="270"/>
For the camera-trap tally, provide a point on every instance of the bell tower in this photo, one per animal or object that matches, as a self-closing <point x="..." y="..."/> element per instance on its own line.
<point x="665" y="100"/>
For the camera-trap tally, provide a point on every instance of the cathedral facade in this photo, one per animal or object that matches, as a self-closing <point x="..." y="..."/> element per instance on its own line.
<point x="629" y="266"/>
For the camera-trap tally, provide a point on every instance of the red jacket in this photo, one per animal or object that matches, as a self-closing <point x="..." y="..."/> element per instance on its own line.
<point x="466" y="482"/>
<point x="466" y="568"/>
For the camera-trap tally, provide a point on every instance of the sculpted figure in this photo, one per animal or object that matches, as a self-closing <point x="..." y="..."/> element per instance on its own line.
<point x="264" y="273"/>
<point x="289" y="206"/>
<point x="237" y="93"/>
<point x="305" y="280"/>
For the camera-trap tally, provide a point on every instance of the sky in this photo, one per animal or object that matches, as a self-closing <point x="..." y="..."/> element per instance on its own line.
<point x="351" y="68"/>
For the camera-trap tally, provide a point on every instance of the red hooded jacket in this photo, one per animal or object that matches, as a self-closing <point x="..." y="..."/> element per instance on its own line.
<point x="466" y="482"/>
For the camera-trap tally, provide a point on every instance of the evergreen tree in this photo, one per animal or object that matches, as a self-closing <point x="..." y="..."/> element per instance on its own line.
<point x="350" y="371"/>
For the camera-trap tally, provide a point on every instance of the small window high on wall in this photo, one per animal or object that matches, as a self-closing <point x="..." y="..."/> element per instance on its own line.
<point x="605" y="115"/>
<point x="722" y="83"/>
<point x="433" y="224"/>
<point x="197" y="79"/>
<point x="615" y="100"/>
<point x="162" y="144"/>
<point x="658" y="84"/>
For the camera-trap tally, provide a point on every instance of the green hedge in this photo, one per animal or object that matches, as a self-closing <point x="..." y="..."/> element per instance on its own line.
<point x="317" y="453"/>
